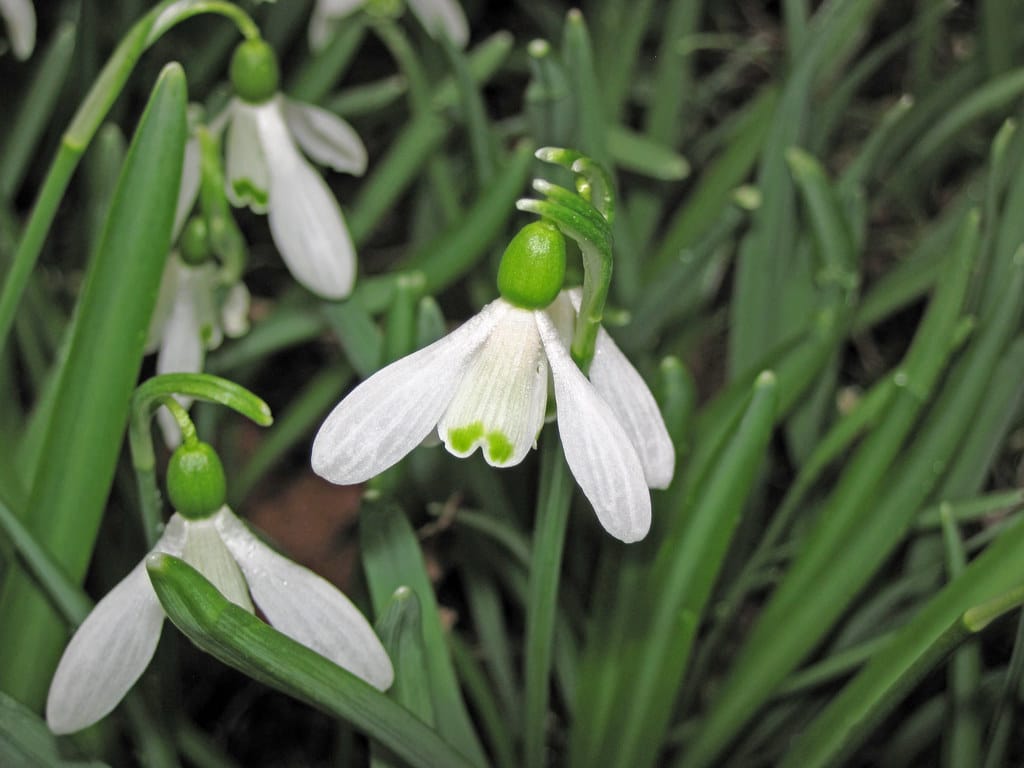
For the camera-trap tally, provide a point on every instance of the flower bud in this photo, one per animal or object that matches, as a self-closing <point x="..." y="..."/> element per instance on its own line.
<point x="195" y="480"/>
<point x="254" y="72"/>
<point x="533" y="266"/>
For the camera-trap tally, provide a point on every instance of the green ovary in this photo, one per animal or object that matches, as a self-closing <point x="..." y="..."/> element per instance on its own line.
<point x="464" y="439"/>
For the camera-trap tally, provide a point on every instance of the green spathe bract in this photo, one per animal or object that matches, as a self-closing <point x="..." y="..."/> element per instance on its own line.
<point x="533" y="267"/>
<point x="195" y="480"/>
<point x="254" y="71"/>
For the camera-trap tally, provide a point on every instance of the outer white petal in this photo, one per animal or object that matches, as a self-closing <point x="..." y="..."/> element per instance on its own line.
<point x="189" y="189"/>
<point x="597" y="448"/>
<point x="325" y="137"/>
<point x="306" y="607"/>
<point x="325" y="17"/>
<point x="625" y="390"/>
<point x="445" y="16"/>
<point x="305" y="219"/>
<point x="20" y="17"/>
<point x="391" y="412"/>
<point x="500" y="402"/>
<point x="247" y="179"/>
<point x="111" y="648"/>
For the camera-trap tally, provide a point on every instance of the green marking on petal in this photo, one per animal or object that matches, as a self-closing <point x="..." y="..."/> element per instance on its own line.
<point x="499" y="447"/>
<point x="462" y="439"/>
<point x="246" y="190"/>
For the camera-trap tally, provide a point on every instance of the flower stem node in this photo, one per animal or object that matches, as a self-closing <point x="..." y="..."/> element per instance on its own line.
<point x="195" y="480"/>
<point x="254" y="71"/>
<point x="195" y="242"/>
<point x="532" y="268"/>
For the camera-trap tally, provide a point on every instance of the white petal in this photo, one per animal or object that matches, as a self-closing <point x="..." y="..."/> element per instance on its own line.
<point x="189" y="189"/>
<point x="247" y="180"/>
<point x="306" y="607"/>
<point x="325" y="17"/>
<point x="111" y="649"/>
<point x="625" y="390"/>
<point x="325" y="137"/>
<point x="20" y="17"/>
<point x="597" y="448"/>
<point x="442" y="16"/>
<point x="206" y="552"/>
<point x="234" y="311"/>
<point x="500" y="402"/>
<point x="391" y="412"/>
<point x="305" y="219"/>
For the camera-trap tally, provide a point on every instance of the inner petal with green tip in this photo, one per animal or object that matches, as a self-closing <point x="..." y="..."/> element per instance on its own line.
<point x="499" y="404"/>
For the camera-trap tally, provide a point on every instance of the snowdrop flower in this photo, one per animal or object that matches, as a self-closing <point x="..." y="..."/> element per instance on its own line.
<point x="194" y="312"/>
<point x="266" y="171"/>
<point x="486" y="385"/>
<point x="20" y="18"/>
<point x="116" y="642"/>
<point x="437" y="17"/>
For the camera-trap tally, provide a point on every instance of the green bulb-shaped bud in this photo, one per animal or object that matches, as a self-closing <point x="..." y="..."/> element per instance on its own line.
<point x="195" y="480"/>
<point x="254" y="71"/>
<point x="194" y="244"/>
<point x="532" y="268"/>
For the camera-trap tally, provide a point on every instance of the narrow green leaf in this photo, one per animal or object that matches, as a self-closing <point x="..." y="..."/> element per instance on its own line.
<point x="240" y="640"/>
<point x="834" y="557"/>
<point x="962" y="745"/>
<point x="392" y="559"/>
<point x="92" y="401"/>
<point x="680" y="584"/>
<point x="360" y="337"/>
<point x="713" y="189"/>
<point x="26" y="742"/>
<point x="636" y="152"/>
<point x="987" y="588"/>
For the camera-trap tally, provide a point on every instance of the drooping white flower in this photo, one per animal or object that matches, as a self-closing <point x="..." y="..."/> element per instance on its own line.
<point x="194" y="312"/>
<point x="437" y="17"/>
<point x="266" y="172"/>
<point x="486" y="385"/>
<point x="116" y="642"/>
<point x="20" y="18"/>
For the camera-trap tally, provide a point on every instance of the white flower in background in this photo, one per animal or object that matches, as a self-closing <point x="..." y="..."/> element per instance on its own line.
<point x="486" y="385"/>
<point x="116" y="642"/>
<point x="437" y="17"/>
<point x="266" y="171"/>
<point x="20" y="18"/>
<point x="194" y="312"/>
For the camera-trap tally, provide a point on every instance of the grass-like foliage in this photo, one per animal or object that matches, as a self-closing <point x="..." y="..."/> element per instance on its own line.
<point x="728" y="296"/>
